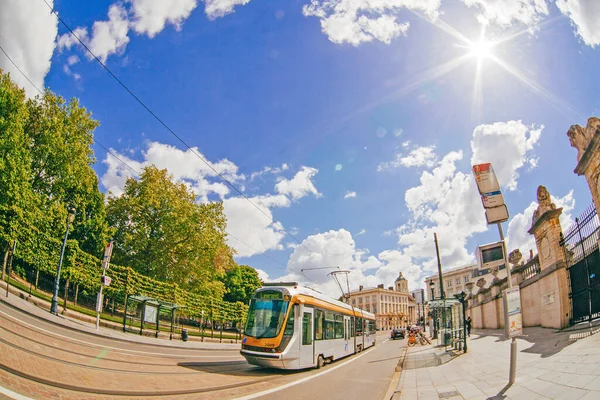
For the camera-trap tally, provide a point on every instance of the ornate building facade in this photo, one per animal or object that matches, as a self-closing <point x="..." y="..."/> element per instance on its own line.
<point x="392" y="306"/>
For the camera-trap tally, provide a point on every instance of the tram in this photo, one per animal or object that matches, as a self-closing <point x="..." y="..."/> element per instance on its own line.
<point x="295" y="327"/>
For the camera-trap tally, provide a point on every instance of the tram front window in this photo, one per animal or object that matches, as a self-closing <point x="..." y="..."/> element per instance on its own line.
<point x="266" y="317"/>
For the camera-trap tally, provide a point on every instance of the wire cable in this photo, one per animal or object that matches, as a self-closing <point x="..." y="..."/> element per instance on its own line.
<point x="164" y="124"/>
<point x="127" y="165"/>
<point x="42" y="94"/>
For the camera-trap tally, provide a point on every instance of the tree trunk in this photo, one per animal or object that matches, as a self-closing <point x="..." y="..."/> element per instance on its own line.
<point x="37" y="277"/>
<point x="76" y="292"/>
<point x="5" y="261"/>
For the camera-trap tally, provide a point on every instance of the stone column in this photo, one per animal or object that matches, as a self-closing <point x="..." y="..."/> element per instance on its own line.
<point x="555" y="307"/>
<point x="587" y="142"/>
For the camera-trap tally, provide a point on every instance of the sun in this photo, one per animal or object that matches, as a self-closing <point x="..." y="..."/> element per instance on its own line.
<point x="481" y="49"/>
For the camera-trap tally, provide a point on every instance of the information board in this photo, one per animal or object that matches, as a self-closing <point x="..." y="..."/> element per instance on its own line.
<point x="150" y="314"/>
<point x="513" y="316"/>
<point x="485" y="178"/>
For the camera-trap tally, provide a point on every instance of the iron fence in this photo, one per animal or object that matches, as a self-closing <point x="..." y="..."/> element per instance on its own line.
<point x="580" y="244"/>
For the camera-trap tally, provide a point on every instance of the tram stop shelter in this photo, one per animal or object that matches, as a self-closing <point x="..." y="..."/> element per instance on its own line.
<point x="148" y="311"/>
<point x="448" y="323"/>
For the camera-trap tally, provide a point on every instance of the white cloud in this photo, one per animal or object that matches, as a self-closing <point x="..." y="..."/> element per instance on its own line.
<point x="398" y="132"/>
<point x="381" y="132"/>
<point x="338" y="249"/>
<point x="419" y="157"/>
<point x="508" y="146"/>
<point x="67" y="70"/>
<point x="183" y="165"/>
<point x="262" y="275"/>
<point x="349" y="195"/>
<point x="359" y="21"/>
<point x="300" y="185"/>
<point x="447" y="201"/>
<point x="72" y="60"/>
<point x="150" y="16"/>
<point x="269" y="170"/>
<point x="584" y="15"/>
<point x="219" y="8"/>
<point x="251" y="226"/>
<point x="361" y="232"/>
<point x="110" y="37"/>
<point x="27" y="33"/>
<point x="517" y="236"/>
<point x="507" y="12"/>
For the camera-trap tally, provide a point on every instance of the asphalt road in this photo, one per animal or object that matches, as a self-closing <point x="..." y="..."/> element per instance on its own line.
<point x="40" y="359"/>
<point x="366" y="376"/>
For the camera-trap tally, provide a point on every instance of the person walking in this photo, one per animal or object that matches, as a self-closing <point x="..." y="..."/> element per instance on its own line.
<point x="468" y="323"/>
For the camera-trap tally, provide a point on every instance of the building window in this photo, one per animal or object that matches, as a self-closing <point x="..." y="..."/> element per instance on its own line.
<point x="353" y="301"/>
<point x="360" y="300"/>
<point x="457" y="281"/>
<point x="466" y="279"/>
<point x="374" y="310"/>
<point x="450" y="283"/>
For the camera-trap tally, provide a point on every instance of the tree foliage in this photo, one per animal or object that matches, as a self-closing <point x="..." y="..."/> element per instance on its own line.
<point x="241" y="283"/>
<point x="162" y="232"/>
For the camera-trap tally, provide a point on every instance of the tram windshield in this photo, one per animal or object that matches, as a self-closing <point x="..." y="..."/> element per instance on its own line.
<point x="266" y="315"/>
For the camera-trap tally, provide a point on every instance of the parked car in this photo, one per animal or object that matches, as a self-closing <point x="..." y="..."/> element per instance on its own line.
<point x="397" y="333"/>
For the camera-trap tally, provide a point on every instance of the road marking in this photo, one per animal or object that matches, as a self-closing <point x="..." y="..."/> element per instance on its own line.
<point x="294" y="383"/>
<point x="120" y="350"/>
<point x="13" y="395"/>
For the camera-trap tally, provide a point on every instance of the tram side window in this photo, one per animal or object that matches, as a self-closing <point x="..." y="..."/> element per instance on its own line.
<point x="318" y="325"/>
<point x="359" y="326"/>
<point x="329" y="325"/>
<point x="371" y="326"/>
<point x="307" y="329"/>
<point x="352" y="322"/>
<point x="289" y="325"/>
<point x="339" y="326"/>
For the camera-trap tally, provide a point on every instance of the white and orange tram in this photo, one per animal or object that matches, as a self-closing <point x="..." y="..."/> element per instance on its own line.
<point x="295" y="327"/>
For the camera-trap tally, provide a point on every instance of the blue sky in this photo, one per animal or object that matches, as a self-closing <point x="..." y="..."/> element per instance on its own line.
<point x="354" y="124"/>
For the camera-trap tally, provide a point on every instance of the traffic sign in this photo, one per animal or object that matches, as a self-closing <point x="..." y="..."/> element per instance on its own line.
<point x="492" y="199"/>
<point x="496" y="214"/>
<point x="107" y="254"/>
<point x="485" y="178"/>
<point x="106" y="280"/>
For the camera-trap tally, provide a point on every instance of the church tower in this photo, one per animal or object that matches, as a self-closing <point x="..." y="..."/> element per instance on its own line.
<point x="401" y="284"/>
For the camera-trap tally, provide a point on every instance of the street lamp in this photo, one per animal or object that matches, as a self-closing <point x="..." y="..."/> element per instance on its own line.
<point x="462" y="297"/>
<point x="54" y="307"/>
<point x="433" y="309"/>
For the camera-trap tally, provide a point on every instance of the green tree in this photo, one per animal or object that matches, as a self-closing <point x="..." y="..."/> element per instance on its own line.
<point x="162" y="232"/>
<point x="241" y="281"/>
<point x="61" y="136"/>
<point x="15" y="160"/>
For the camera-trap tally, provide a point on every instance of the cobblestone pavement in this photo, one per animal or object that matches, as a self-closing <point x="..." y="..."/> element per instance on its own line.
<point x="551" y="365"/>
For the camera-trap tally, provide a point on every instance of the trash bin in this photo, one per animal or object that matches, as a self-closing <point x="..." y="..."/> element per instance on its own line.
<point x="184" y="335"/>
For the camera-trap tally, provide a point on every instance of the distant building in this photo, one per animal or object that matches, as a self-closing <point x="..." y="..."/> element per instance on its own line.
<point x="390" y="306"/>
<point x="469" y="278"/>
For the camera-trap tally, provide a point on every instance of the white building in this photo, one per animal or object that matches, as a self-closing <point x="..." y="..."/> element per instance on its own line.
<point x="390" y="306"/>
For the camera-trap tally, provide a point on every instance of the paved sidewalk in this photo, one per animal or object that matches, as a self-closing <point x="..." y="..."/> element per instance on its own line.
<point x="33" y="308"/>
<point x="550" y="365"/>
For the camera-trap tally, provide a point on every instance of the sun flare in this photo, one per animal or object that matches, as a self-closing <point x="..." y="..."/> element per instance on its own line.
<point x="481" y="48"/>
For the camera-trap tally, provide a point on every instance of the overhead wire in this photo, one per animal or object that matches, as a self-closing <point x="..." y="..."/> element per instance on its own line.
<point x="179" y="138"/>
<point x="120" y="160"/>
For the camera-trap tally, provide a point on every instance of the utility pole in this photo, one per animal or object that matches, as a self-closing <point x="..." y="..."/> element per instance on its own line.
<point x="443" y="295"/>
<point x="513" y="344"/>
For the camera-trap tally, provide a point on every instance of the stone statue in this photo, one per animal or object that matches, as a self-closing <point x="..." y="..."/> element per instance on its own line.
<point x="580" y="137"/>
<point x="545" y="203"/>
<point x="514" y="257"/>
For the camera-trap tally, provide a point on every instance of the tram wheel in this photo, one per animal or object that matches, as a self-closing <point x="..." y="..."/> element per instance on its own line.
<point x="320" y="361"/>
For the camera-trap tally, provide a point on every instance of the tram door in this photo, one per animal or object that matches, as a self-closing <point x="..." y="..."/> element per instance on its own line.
<point x="349" y="340"/>
<point x="307" y="353"/>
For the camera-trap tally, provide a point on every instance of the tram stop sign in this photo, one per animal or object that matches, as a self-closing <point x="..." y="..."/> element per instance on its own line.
<point x="491" y="196"/>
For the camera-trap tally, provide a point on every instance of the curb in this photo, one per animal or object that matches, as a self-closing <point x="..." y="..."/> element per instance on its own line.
<point x="392" y="393"/>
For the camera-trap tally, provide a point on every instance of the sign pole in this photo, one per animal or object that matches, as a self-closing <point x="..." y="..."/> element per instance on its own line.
<point x="513" y="344"/>
<point x="105" y="262"/>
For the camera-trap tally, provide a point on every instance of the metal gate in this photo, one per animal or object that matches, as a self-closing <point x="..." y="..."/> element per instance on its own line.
<point x="583" y="263"/>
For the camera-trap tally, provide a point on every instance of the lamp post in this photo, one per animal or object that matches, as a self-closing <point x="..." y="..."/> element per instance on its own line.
<point x="433" y="309"/>
<point x="54" y="307"/>
<point x="462" y="297"/>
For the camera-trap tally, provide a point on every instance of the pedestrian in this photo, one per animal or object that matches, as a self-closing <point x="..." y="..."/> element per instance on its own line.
<point x="468" y="323"/>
